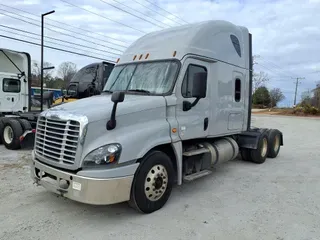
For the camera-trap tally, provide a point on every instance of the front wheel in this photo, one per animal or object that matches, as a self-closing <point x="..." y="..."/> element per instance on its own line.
<point x="152" y="183"/>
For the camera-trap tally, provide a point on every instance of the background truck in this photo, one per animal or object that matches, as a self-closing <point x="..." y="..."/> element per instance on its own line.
<point x="177" y="104"/>
<point x="19" y="108"/>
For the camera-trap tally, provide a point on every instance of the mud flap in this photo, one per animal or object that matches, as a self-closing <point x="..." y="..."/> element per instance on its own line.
<point x="27" y="140"/>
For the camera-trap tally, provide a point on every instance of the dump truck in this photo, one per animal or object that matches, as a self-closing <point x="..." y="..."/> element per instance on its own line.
<point x="177" y="103"/>
<point x="19" y="110"/>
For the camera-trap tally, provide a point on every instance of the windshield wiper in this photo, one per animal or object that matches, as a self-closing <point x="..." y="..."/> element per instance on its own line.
<point x="139" y="90"/>
<point x="107" y="91"/>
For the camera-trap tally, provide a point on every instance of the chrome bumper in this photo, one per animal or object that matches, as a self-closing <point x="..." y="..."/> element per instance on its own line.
<point x="88" y="190"/>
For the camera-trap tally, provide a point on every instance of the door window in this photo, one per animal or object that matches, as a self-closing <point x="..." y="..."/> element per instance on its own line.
<point x="187" y="83"/>
<point x="11" y="85"/>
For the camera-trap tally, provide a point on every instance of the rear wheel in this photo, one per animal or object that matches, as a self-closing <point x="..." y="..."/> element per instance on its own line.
<point x="246" y="154"/>
<point x="274" y="139"/>
<point x="152" y="184"/>
<point x="25" y="124"/>
<point x="11" y="134"/>
<point x="259" y="155"/>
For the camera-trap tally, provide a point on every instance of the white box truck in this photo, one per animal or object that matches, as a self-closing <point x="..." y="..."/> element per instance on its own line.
<point x="177" y="103"/>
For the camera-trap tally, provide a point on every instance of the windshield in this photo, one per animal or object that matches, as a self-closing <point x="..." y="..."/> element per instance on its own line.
<point x="85" y="74"/>
<point x="152" y="78"/>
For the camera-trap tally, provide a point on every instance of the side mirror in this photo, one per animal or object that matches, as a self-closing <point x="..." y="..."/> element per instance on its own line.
<point x="199" y="90"/>
<point x="199" y="85"/>
<point x="117" y="97"/>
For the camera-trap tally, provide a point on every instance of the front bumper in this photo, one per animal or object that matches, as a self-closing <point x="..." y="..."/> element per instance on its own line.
<point x="88" y="190"/>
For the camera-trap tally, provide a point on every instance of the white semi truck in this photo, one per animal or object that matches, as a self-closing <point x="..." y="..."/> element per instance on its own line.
<point x="177" y="103"/>
<point x="18" y="110"/>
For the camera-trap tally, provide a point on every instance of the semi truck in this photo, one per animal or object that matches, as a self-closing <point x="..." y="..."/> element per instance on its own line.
<point x="19" y="108"/>
<point x="177" y="103"/>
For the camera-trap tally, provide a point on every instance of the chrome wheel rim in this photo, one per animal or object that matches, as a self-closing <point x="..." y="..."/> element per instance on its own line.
<point x="8" y="134"/>
<point x="156" y="182"/>
<point x="264" y="147"/>
<point x="276" y="143"/>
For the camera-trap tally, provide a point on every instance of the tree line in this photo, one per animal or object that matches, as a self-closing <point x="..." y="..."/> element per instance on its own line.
<point x="64" y="74"/>
<point x="263" y="97"/>
<point x="311" y="98"/>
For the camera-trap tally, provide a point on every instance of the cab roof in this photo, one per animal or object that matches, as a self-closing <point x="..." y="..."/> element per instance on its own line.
<point x="216" y="39"/>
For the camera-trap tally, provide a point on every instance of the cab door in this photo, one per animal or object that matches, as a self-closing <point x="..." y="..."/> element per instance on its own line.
<point x="12" y="97"/>
<point x="193" y="123"/>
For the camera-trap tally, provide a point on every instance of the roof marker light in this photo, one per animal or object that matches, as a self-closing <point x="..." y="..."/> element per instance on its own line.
<point x="174" y="53"/>
<point x="147" y="56"/>
<point x="140" y="57"/>
<point x="134" y="58"/>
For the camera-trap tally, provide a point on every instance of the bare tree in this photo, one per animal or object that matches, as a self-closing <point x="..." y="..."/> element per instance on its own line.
<point x="276" y="96"/>
<point x="259" y="80"/>
<point x="66" y="71"/>
<point x="36" y="72"/>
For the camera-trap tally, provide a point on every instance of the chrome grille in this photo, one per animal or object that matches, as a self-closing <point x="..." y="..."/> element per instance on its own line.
<point x="57" y="140"/>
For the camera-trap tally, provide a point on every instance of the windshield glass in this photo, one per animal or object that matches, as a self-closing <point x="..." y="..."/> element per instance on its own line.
<point x="152" y="78"/>
<point x="85" y="74"/>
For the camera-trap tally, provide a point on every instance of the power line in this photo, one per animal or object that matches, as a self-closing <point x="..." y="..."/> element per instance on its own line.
<point x="165" y="10"/>
<point x="56" y="30"/>
<point x="275" y="65"/>
<point x="272" y="70"/>
<point x="59" y="44"/>
<point x="172" y="20"/>
<point x="102" y="16"/>
<point x="85" y="30"/>
<point x="66" y="34"/>
<point x="146" y="20"/>
<point x="58" y="49"/>
<point x="56" y="39"/>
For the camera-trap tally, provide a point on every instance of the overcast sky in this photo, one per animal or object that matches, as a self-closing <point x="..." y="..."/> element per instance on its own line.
<point x="286" y="33"/>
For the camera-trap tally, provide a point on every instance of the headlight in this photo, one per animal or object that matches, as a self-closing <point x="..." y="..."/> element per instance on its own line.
<point x="103" y="155"/>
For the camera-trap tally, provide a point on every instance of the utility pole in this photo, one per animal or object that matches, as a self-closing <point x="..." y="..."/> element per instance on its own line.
<point x="42" y="68"/>
<point x="295" y="94"/>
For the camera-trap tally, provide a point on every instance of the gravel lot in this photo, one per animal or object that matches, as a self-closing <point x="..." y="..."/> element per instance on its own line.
<point x="276" y="200"/>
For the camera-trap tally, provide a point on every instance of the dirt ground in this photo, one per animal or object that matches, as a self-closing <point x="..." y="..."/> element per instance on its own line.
<point x="276" y="200"/>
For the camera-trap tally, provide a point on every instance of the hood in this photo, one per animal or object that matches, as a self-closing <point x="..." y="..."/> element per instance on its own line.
<point x="99" y="107"/>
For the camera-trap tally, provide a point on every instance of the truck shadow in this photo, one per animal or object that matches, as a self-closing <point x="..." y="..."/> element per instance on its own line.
<point x="123" y="211"/>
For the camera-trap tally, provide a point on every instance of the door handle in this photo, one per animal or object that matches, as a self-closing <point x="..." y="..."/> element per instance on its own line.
<point x="12" y="99"/>
<point x="205" y="124"/>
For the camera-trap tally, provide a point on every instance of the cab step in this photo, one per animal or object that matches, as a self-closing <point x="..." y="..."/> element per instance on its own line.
<point x="195" y="152"/>
<point x="196" y="175"/>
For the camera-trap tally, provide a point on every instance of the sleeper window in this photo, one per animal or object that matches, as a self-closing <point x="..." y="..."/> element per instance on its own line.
<point x="11" y="85"/>
<point x="237" y="90"/>
<point x="188" y="78"/>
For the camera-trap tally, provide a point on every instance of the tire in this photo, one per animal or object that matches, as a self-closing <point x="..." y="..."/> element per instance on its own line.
<point x="274" y="140"/>
<point x="144" y="197"/>
<point x="1" y="129"/>
<point x="246" y="154"/>
<point x="25" y="124"/>
<point x="11" y="134"/>
<point x="259" y="155"/>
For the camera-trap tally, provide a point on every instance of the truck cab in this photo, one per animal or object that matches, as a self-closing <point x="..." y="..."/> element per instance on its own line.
<point x="88" y="81"/>
<point x="14" y="84"/>
<point x="177" y="103"/>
